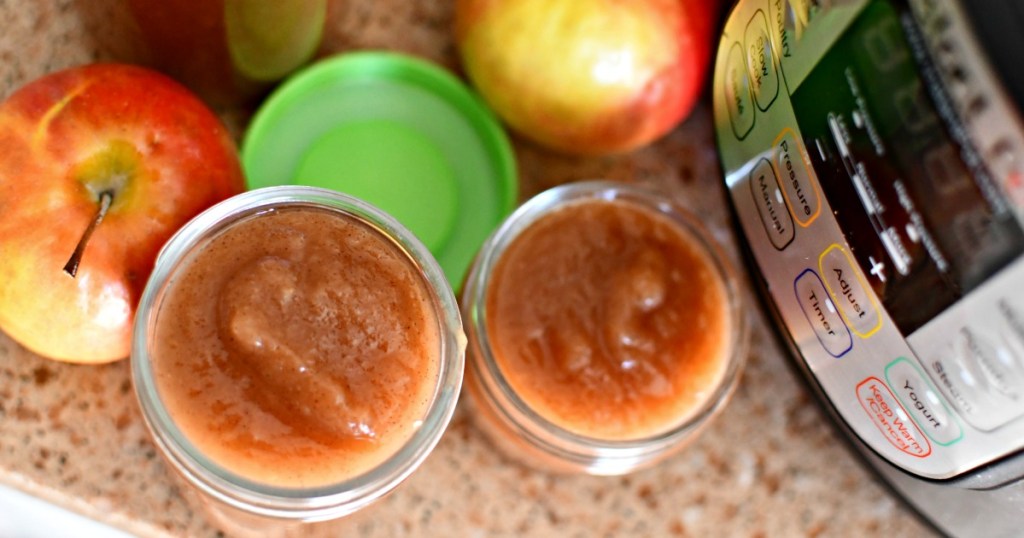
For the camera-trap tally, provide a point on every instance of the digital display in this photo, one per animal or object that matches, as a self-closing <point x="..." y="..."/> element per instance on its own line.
<point x="921" y="214"/>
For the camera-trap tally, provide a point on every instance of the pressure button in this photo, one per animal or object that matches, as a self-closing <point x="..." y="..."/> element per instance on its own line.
<point x="794" y="171"/>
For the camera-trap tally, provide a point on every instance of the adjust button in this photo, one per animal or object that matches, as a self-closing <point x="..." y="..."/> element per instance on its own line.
<point x="764" y="75"/>
<point x="849" y="292"/>
<point x="919" y="396"/>
<point x="793" y="169"/>
<point x="771" y="205"/>
<point x="821" y="314"/>
<point x="737" y="93"/>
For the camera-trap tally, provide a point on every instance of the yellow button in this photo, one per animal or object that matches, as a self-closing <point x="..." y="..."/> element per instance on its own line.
<point x="794" y="171"/>
<point x="849" y="292"/>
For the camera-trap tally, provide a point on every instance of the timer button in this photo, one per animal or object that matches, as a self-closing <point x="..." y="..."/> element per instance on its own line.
<point x="821" y="314"/>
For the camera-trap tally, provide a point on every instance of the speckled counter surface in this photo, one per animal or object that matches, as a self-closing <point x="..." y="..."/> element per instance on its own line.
<point x="770" y="465"/>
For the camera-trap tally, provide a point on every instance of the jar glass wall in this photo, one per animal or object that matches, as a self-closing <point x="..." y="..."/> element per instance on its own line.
<point x="605" y="329"/>
<point x="378" y="409"/>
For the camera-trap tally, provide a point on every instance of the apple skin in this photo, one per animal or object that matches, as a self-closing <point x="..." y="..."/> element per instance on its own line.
<point x="64" y="139"/>
<point x="587" y="77"/>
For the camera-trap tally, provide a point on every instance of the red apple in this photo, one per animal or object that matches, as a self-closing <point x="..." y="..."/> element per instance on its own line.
<point x="587" y="76"/>
<point x="99" y="165"/>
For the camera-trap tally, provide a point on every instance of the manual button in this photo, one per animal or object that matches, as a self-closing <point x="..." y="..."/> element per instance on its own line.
<point x="919" y="396"/>
<point x="849" y="292"/>
<point x="771" y="205"/>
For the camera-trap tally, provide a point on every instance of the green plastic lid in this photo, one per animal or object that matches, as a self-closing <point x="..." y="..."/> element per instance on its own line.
<point x="398" y="132"/>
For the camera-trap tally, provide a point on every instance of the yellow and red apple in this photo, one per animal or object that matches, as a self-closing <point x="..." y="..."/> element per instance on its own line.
<point x="99" y="166"/>
<point x="587" y="76"/>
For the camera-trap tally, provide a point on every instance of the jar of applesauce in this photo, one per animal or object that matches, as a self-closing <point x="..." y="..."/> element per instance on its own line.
<point x="605" y="330"/>
<point x="297" y="354"/>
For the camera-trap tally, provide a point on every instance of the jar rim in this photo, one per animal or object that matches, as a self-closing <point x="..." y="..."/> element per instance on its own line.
<point x="312" y="503"/>
<point x="595" y="455"/>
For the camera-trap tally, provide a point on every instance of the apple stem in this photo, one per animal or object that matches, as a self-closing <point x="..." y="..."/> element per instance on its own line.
<point x="71" y="268"/>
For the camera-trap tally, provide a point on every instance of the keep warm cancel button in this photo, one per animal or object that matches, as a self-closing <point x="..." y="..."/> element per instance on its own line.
<point x="890" y="417"/>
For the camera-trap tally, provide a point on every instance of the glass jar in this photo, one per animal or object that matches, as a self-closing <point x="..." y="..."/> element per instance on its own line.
<point x="230" y="51"/>
<point x="539" y="430"/>
<point x="244" y="504"/>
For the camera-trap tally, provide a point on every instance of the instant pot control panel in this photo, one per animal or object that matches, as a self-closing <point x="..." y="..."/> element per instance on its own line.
<point x="877" y="187"/>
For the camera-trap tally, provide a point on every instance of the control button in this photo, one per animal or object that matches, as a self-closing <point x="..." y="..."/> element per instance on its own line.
<point x="919" y="396"/>
<point x="890" y="417"/>
<point x="961" y="384"/>
<point x="1012" y="327"/>
<point x="771" y="204"/>
<point x="793" y="168"/>
<point x="821" y="314"/>
<point x="787" y="26"/>
<point x="764" y="76"/>
<point x="979" y="374"/>
<point x="996" y="363"/>
<point x="737" y="93"/>
<point x="849" y="292"/>
<point x="800" y="11"/>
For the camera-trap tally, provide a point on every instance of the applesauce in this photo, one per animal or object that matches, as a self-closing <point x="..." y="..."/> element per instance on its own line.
<point x="298" y="353"/>
<point x="297" y="348"/>
<point x="604" y="329"/>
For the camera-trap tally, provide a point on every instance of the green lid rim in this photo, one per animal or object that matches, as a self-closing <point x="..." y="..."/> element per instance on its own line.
<point x="386" y="65"/>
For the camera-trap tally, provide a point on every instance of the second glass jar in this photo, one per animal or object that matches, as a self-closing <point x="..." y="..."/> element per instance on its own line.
<point x="605" y="330"/>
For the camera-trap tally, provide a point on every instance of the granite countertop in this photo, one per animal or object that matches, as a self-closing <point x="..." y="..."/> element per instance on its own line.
<point x="770" y="465"/>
